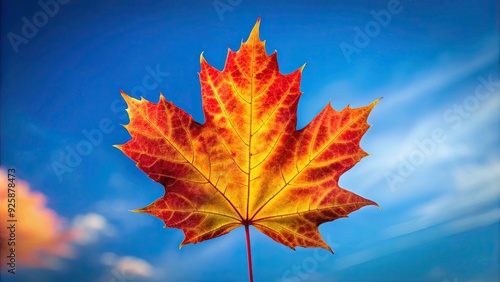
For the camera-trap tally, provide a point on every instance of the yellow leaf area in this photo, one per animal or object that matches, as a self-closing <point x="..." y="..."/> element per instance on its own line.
<point x="247" y="164"/>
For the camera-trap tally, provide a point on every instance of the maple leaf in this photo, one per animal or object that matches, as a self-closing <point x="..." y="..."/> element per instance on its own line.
<point x="247" y="164"/>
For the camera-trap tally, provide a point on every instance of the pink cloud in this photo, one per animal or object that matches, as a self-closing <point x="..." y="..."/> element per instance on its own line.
<point x="40" y="237"/>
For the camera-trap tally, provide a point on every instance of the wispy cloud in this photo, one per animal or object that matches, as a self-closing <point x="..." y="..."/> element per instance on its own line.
<point x="458" y="179"/>
<point x="200" y="258"/>
<point x="472" y="185"/>
<point x="393" y="146"/>
<point x="468" y="198"/>
<point x="474" y="221"/>
<point x="90" y="227"/>
<point x="446" y="73"/>
<point x="126" y="268"/>
<point x="408" y="87"/>
<point x="475" y="188"/>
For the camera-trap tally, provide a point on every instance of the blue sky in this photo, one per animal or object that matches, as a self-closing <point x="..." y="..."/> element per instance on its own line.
<point x="434" y="163"/>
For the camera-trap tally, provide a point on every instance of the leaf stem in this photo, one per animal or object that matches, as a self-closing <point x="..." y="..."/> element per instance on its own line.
<point x="249" y="253"/>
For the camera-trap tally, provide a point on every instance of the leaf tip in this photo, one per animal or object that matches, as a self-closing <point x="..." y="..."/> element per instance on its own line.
<point x="329" y="106"/>
<point x="257" y="23"/>
<point x="126" y="97"/>
<point x="376" y="101"/>
<point x="162" y="98"/>
<point x="141" y="210"/>
<point x="182" y="244"/>
<point x="254" y="34"/>
<point x="302" y="68"/>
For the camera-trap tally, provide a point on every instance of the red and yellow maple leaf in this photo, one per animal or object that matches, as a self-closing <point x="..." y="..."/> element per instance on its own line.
<point x="247" y="164"/>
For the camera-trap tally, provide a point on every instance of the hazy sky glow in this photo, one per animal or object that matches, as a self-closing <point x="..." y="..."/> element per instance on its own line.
<point x="434" y="163"/>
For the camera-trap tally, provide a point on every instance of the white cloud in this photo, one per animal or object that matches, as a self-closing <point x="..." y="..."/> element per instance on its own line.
<point x="127" y="267"/>
<point x="89" y="227"/>
<point x="356" y="258"/>
<point x="447" y="73"/>
<point x="474" y="221"/>
<point x="470" y="177"/>
<point x="463" y="198"/>
<point x="391" y="149"/>
<point x="401" y="92"/>
<point x="471" y="187"/>
<point x="199" y="258"/>
<point x="468" y="201"/>
<point x="458" y="180"/>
